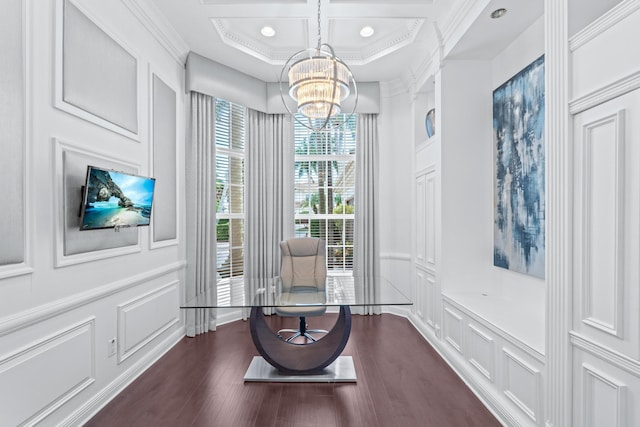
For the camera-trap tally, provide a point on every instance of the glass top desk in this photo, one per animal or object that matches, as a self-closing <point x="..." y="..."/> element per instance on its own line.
<point x="312" y="359"/>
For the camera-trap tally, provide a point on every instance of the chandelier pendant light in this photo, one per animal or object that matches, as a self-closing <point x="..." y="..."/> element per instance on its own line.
<point x="319" y="82"/>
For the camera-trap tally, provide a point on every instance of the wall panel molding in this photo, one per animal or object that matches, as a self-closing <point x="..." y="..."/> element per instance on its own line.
<point x="109" y="83"/>
<point x="145" y="317"/>
<point x="453" y="329"/>
<point x="605" y="93"/>
<point x="431" y="300"/>
<point x="395" y="256"/>
<point x="419" y="303"/>
<point x="522" y="384"/>
<point x="603" y="23"/>
<point x="41" y="313"/>
<point x="15" y="139"/>
<point x="73" y="246"/>
<point x="60" y="365"/>
<point x="91" y="406"/>
<point x="487" y="395"/>
<point x="595" y="385"/>
<point x="594" y="202"/>
<point x="164" y="161"/>
<point x="606" y="354"/>
<point x="482" y="352"/>
<point x="497" y="330"/>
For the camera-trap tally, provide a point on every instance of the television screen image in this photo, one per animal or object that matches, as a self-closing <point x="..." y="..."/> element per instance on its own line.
<point x="115" y="199"/>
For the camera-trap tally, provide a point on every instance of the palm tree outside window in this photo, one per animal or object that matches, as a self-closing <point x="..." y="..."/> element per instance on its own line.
<point x="325" y="165"/>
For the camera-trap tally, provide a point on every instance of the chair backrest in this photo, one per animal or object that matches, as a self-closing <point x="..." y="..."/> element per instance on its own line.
<point x="303" y="262"/>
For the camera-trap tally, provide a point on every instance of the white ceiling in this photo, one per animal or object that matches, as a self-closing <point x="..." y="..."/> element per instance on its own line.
<point x="228" y="31"/>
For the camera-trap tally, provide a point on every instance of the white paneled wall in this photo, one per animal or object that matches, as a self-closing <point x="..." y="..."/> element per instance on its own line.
<point x="606" y="159"/>
<point x="83" y="313"/>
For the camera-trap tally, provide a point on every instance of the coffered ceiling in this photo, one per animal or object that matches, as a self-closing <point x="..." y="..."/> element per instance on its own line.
<point x="407" y="33"/>
<point x="228" y="31"/>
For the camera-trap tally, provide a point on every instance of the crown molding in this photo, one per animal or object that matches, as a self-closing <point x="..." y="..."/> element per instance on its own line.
<point x="603" y="23"/>
<point x="158" y="26"/>
<point x="456" y="24"/>
<point x="355" y="57"/>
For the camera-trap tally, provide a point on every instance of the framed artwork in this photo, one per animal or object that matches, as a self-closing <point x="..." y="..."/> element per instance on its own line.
<point x="519" y="172"/>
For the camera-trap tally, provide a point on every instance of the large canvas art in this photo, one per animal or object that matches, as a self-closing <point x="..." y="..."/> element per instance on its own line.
<point x="518" y="133"/>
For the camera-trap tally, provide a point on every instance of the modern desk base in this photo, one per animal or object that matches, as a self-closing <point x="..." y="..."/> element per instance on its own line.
<point x="341" y="370"/>
<point x="300" y="359"/>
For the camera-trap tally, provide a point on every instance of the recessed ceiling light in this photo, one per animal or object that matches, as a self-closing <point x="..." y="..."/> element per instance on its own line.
<point x="498" y="13"/>
<point x="366" y="31"/>
<point x="267" y="31"/>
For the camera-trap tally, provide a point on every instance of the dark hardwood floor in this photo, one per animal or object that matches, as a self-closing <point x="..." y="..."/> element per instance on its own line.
<point x="402" y="381"/>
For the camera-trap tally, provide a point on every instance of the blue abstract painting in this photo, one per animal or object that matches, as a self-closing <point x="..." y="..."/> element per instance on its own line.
<point x="518" y="134"/>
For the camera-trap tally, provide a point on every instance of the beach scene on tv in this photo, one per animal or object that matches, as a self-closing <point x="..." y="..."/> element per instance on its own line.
<point x="117" y="199"/>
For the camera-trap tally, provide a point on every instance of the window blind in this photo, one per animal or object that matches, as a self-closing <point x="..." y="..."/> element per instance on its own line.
<point x="324" y="192"/>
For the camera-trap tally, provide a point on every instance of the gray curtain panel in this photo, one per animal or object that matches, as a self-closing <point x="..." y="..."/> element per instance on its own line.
<point x="366" y="262"/>
<point x="201" y="216"/>
<point x="268" y="194"/>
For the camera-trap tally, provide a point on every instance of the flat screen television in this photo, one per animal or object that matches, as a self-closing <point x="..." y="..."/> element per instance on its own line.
<point x="113" y="199"/>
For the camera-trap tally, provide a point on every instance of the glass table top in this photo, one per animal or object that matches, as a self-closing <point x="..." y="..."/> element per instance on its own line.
<point x="274" y="292"/>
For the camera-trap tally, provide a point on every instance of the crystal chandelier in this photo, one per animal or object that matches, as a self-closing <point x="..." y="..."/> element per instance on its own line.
<point x="319" y="82"/>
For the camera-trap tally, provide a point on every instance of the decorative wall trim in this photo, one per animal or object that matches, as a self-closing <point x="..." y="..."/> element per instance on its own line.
<point x="40" y="347"/>
<point x="606" y="354"/>
<point x="559" y="215"/>
<point x="589" y="377"/>
<point x="420" y="287"/>
<point x="228" y="317"/>
<point x="453" y="323"/>
<point x="138" y="303"/>
<point x="41" y="313"/>
<point x="486" y="395"/>
<point x="532" y="411"/>
<point x="431" y="300"/>
<point x="430" y="226"/>
<point x="497" y="330"/>
<point x="91" y="406"/>
<point x="158" y="26"/>
<point x="395" y="256"/>
<point x="420" y="214"/>
<point x="24" y="266"/>
<point x="605" y="93"/>
<point x="487" y="371"/>
<point x="613" y="326"/>
<point x="59" y="55"/>
<point x="153" y="244"/>
<point x="603" y="23"/>
<point x="60" y="208"/>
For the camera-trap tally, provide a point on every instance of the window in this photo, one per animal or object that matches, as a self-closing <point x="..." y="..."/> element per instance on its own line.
<point x="325" y="163"/>
<point x="230" y="142"/>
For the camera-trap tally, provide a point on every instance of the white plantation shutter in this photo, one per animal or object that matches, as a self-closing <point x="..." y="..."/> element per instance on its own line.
<point x="230" y="143"/>
<point x="325" y="164"/>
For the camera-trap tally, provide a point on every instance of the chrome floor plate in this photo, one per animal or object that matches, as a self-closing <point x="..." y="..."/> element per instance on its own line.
<point x="341" y="370"/>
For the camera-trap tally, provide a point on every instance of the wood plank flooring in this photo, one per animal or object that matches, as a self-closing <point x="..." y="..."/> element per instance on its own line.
<point x="402" y="381"/>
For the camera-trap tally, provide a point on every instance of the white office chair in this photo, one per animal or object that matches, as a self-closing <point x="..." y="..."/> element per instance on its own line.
<point x="303" y="274"/>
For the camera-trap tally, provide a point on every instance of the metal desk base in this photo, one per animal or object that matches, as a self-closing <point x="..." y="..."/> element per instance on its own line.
<point x="341" y="370"/>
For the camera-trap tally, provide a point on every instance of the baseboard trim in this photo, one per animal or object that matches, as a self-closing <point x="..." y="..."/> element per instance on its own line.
<point x="485" y="396"/>
<point x="85" y="412"/>
<point x="232" y="316"/>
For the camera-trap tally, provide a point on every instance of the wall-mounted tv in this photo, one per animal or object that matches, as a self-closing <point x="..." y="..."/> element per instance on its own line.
<point x="113" y="199"/>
